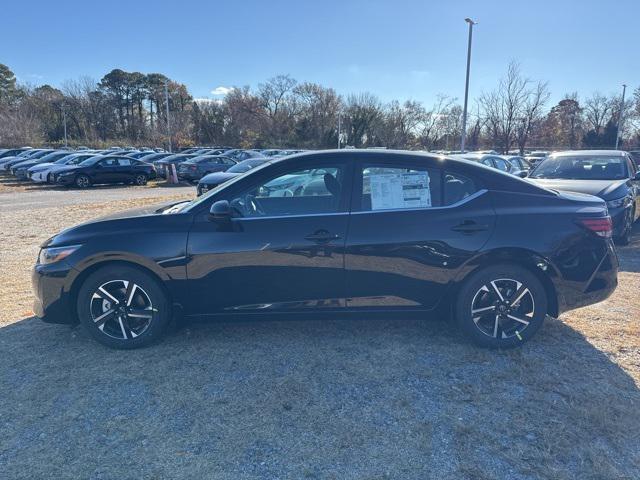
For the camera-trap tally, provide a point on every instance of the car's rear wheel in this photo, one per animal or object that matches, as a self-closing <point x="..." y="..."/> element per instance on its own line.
<point x="123" y="307"/>
<point x="140" y="179"/>
<point x="82" y="181"/>
<point x="501" y="306"/>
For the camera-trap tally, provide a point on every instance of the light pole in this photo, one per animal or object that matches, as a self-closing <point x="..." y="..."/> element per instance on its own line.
<point x="466" y="85"/>
<point x="166" y="98"/>
<point x="620" y="115"/>
<point x="64" y="121"/>
<point x="339" y="127"/>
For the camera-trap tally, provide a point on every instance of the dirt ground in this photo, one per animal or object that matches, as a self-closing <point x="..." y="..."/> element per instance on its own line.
<point x="361" y="398"/>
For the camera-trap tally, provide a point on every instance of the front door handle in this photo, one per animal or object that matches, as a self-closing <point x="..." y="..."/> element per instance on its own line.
<point x="322" y="236"/>
<point x="468" y="227"/>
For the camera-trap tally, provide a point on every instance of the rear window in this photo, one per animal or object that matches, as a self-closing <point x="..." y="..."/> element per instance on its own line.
<point x="583" y="167"/>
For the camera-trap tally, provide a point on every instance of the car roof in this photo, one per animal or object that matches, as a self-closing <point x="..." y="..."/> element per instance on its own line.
<point x="584" y="153"/>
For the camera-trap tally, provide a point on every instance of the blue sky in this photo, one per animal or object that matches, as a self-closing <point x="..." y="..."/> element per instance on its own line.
<point x="394" y="49"/>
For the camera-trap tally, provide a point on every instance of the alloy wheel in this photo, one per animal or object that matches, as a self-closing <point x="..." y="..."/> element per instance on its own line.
<point x="141" y="180"/>
<point x="82" y="181"/>
<point x="503" y="308"/>
<point x="121" y="309"/>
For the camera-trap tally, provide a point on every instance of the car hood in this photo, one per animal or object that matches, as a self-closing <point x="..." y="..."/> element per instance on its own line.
<point x="126" y="222"/>
<point x="218" y="177"/>
<point x="40" y="166"/>
<point x="605" y="189"/>
<point x="65" y="168"/>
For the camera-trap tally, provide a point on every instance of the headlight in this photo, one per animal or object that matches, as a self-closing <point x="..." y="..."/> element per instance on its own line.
<point x="619" y="202"/>
<point x="55" y="254"/>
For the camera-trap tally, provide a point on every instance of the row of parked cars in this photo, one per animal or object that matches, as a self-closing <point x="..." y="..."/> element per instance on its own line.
<point x="84" y="167"/>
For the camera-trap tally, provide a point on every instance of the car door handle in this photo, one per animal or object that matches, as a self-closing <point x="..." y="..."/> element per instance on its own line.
<point x="469" y="227"/>
<point x="322" y="236"/>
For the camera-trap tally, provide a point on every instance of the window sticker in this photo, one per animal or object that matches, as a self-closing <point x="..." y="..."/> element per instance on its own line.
<point x="400" y="190"/>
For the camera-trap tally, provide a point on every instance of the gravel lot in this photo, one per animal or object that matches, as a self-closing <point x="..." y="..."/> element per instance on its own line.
<point x="348" y="398"/>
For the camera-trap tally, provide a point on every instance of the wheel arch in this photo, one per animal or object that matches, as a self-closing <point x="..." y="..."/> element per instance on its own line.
<point x="79" y="279"/>
<point x="538" y="265"/>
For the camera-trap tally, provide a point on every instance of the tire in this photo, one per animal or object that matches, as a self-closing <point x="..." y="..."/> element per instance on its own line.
<point x="140" y="179"/>
<point x="82" y="181"/>
<point x="520" y="306"/>
<point x="138" y="319"/>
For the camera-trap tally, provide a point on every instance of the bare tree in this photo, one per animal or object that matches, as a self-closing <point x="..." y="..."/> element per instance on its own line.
<point x="536" y="98"/>
<point x="505" y="106"/>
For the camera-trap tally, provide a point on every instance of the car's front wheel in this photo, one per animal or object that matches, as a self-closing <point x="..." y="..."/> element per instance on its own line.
<point x="501" y="306"/>
<point x="82" y="181"/>
<point x="123" y="307"/>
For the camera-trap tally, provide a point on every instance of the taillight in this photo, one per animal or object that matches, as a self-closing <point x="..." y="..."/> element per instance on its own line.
<point x="193" y="167"/>
<point x="600" y="226"/>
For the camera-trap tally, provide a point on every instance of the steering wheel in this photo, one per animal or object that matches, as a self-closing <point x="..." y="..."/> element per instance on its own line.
<point x="252" y="206"/>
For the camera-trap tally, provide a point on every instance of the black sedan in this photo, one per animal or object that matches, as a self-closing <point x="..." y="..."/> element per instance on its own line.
<point x="608" y="174"/>
<point x="105" y="169"/>
<point x="393" y="231"/>
<point x="212" y="180"/>
<point x="196" y="168"/>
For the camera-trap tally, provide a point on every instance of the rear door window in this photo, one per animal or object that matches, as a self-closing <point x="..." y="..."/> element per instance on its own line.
<point x="399" y="187"/>
<point x="457" y="187"/>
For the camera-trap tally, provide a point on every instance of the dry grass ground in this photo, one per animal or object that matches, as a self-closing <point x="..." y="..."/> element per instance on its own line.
<point x="333" y="398"/>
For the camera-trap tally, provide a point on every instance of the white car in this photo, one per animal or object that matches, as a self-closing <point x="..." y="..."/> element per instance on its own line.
<point x="40" y="173"/>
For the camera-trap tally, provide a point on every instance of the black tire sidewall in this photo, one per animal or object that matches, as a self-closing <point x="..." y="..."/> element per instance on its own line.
<point x="147" y="282"/>
<point x="481" y="277"/>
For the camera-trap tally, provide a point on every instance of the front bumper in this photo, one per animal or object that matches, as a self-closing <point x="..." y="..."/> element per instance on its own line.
<point x="52" y="300"/>
<point x="618" y="218"/>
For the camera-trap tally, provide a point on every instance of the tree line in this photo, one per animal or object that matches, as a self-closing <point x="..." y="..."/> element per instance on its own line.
<point x="131" y="108"/>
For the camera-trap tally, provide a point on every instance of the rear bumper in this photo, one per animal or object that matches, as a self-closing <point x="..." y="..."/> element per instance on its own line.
<point x="599" y="287"/>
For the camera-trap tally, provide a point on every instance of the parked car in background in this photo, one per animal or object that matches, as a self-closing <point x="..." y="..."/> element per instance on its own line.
<point x="26" y="155"/>
<point x="519" y="166"/>
<point x="499" y="252"/>
<point x="536" y="157"/>
<point x="19" y="170"/>
<point x="12" y="152"/>
<point x="490" y="160"/>
<point x="141" y="155"/>
<point x="105" y="169"/>
<point x="195" y="168"/>
<point x="608" y="174"/>
<point x="211" y="181"/>
<point x="44" y="172"/>
<point x="162" y="164"/>
<point x="240" y="155"/>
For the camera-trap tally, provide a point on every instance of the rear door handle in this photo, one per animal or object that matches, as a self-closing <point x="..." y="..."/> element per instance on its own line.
<point x="468" y="227"/>
<point x="322" y="236"/>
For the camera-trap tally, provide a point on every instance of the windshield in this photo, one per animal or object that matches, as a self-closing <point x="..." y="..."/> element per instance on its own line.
<point x="198" y="200"/>
<point x="592" y="167"/>
<point x="245" y="166"/>
<point x="91" y="161"/>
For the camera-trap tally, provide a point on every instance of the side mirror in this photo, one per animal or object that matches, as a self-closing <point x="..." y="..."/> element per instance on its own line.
<point x="522" y="174"/>
<point x="637" y="176"/>
<point x="220" y="210"/>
